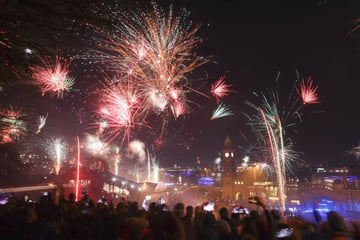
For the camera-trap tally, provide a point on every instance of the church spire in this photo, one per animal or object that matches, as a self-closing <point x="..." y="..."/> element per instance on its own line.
<point x="228" y="143"/>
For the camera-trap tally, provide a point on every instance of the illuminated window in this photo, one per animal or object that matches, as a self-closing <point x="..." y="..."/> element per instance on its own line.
<point x="227" y="154"/>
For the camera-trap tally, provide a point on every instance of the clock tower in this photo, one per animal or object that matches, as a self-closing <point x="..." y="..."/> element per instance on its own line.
<point x="227" y="176"/>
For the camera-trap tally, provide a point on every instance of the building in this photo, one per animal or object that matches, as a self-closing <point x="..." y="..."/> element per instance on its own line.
<point x="228" y="173"/>
<point x="252" y="180"/>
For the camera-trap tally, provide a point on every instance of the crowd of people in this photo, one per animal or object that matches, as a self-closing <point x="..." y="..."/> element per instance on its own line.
<point x="55" y="217"/>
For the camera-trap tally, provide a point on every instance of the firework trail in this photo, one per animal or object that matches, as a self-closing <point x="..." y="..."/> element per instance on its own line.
<point x="12" y="125"/>
<point x="117" y="160"/>
<point x="269" y="123"/>
<point x="77" y="168"/>
<point x="220" y="89"/>
<point x="221" y="111"/>
<point x="356" y="23"/>
<point x="3" y="32"/>
<point x="277" y="151"/>
<point x="272" y="117"/>
<point x="42" y="122"/>
<point x="355" y="151"/>
<point x="308" y="92"/>
<point x="57" y="149"/>
<point x="148" y="166"/>
<point x="152" y="51"/>
<point x="153" y="167"/>
<point x="53" y="78"/>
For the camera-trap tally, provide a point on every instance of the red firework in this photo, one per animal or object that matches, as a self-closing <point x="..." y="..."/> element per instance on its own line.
<point x="53" y="78"/>
<point x="12" y="127"/>
<point x="220" y="89"/>
<point x="308" y="92"/>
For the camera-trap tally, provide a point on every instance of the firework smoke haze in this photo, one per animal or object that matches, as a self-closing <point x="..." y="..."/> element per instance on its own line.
<point x="95" y="146"/>
<point x="137" y="150"/>
<point x="155" y="174"/>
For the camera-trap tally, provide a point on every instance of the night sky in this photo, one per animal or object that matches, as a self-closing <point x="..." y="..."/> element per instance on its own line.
<point x="250" y="42"/>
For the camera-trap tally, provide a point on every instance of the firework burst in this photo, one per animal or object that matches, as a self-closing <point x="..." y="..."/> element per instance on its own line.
<point x="121" y="109"/>
<point x="178" y="108"/>
<point x="220" y="89"/>
<point x="152" y="51"/>
<point x="308" y="92"/>
<point x="53" y="78"/>
<point x="12" y="125"/>
<point x="221" y="111"/>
